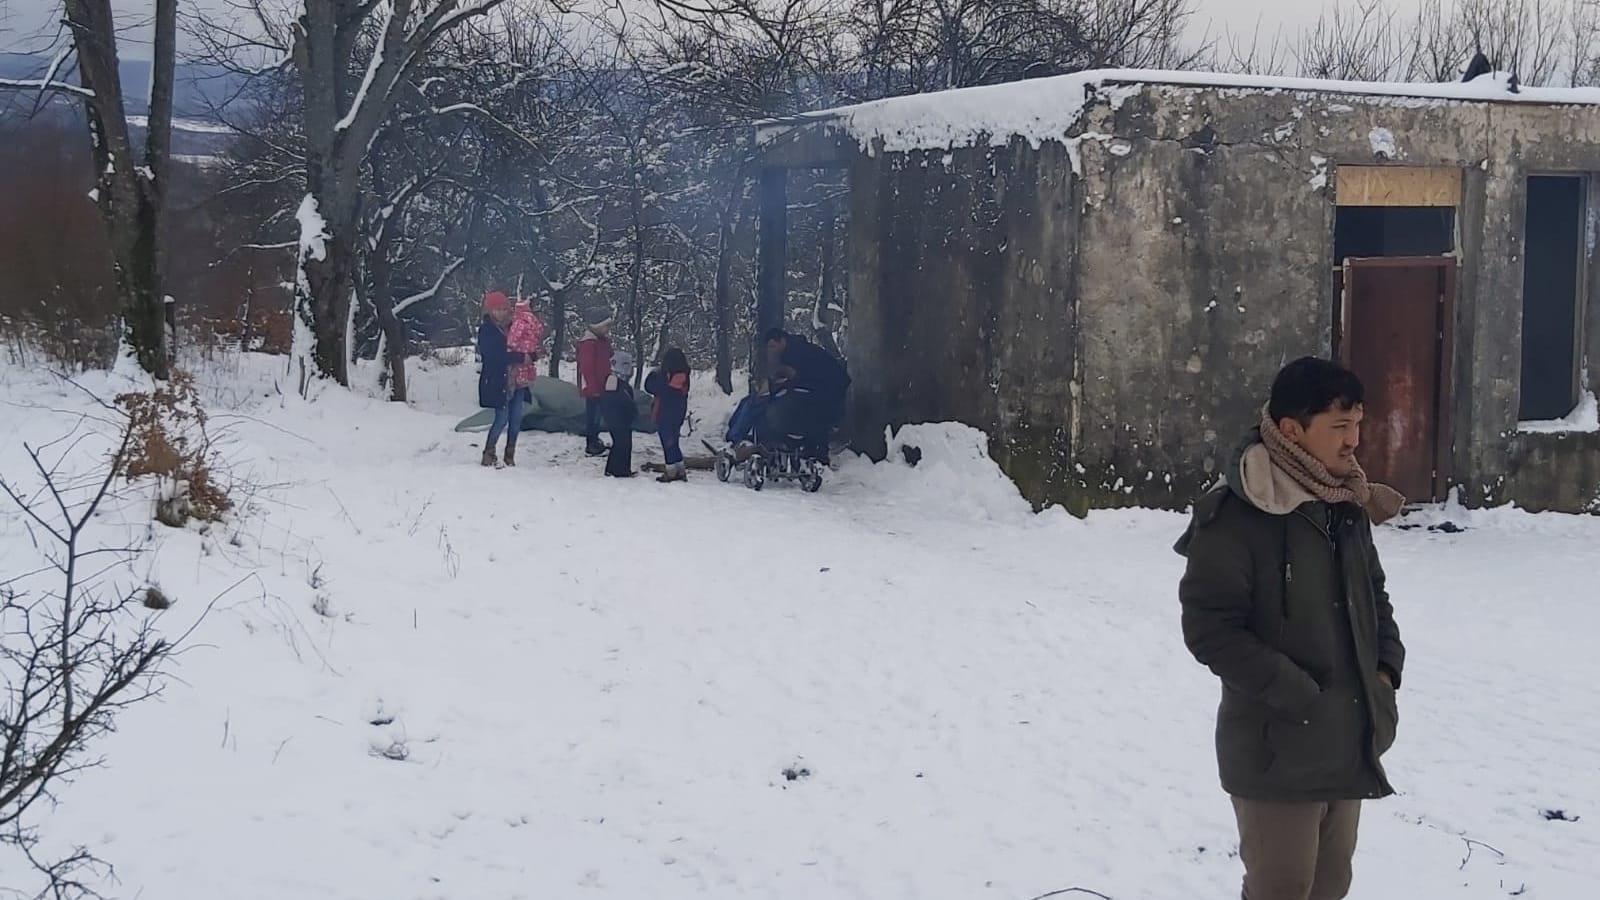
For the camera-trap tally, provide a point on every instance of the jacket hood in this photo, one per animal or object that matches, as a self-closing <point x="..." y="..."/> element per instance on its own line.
<point x="1250" y="475"/>
<point x="1255" y="478"/>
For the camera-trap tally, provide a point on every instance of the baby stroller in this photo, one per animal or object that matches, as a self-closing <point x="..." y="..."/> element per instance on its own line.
<point x="758" y="452"/>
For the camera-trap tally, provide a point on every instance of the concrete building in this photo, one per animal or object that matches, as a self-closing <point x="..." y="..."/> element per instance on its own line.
<point x="1103" y="271"/>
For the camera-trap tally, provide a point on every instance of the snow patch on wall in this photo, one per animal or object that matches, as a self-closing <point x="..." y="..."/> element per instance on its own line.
<point x="1383" y="143"/>
<point x="1583" y="419"/>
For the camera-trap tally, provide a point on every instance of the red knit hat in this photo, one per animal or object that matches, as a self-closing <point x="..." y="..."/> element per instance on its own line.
<point x="495" y="301"/>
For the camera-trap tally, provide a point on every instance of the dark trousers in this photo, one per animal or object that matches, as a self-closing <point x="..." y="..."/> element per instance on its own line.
<point x="619" y="462"/>
<point x="591" y="421"/>
<point x="671" y="448"/>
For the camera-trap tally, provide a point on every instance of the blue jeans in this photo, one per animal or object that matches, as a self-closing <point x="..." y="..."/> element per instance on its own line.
<point x="508" y="419"/>
<point x="670" y="446"/>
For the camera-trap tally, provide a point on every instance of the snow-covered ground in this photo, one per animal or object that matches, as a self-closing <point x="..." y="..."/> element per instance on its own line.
<point x="597" y="686"/>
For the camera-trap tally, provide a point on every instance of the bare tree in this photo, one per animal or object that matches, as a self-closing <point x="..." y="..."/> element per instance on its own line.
<point x="1538" y="41"/>
<point x="1582" y="43"/>
<point x="1521" y="36"/>
<point x="1357" y="42"/>
<point x="1257" y="56"/>
<point x="353" y="59"/>
<point x="130" y="194"/>
<point x="69" y="662"/>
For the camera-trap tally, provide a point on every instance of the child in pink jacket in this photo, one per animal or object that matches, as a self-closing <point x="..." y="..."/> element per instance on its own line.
<point x="522" y="342"/>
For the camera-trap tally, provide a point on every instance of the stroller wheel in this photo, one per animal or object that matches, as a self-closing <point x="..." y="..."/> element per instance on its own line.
<point x="724" y="466"/>
<point x="755" y="473"/>
<point x="810" y="476"/>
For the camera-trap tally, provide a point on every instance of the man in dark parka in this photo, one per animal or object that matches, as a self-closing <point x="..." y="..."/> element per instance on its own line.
<point x="1284" y="599"/>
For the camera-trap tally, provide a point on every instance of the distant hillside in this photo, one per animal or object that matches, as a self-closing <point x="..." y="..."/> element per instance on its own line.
<point x="198" y="90"/>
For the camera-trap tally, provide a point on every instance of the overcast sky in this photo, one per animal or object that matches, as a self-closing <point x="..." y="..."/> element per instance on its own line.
<point x="23" y="23"/>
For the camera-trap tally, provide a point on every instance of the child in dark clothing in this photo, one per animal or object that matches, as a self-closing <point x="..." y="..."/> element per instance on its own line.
<point x="669" y="386"/>
<point x="619" y="411"/>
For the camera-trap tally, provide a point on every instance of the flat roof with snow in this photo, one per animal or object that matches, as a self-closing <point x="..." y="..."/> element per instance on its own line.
<point x="1049" y="108"/>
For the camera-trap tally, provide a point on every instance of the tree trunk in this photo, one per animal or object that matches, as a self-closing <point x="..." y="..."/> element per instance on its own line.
<point x="558" y="330"/>
<point x="722" y="301"/>
<point x="326" y="263"/>
<point x="394" y="348"/>
<point x="129" y="196"/>
<point x="634" y="314"/>
<point x="378" y="279"/>
<point x="157" y="153"/>
<point x="138" y="277"/>
<point x="328" y="280"/>
<point x="722" y="288"/>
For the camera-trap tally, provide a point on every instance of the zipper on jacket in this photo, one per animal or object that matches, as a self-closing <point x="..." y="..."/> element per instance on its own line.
<point x="1288" y="567"/>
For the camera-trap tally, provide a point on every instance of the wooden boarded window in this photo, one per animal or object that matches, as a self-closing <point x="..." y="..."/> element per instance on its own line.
<point x="1397" y="186"/>
<point x="1552" y="269"/>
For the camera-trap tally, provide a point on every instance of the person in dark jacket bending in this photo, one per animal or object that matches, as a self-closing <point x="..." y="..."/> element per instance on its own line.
<point x="1284" y="599"/>
<point x="814" y="399"/>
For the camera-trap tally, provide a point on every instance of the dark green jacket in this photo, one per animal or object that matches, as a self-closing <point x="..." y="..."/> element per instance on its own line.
<point x="1288" y="608"/>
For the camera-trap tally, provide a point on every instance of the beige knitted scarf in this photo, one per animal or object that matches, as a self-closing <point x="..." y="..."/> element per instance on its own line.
<point x="1381" y="502"/>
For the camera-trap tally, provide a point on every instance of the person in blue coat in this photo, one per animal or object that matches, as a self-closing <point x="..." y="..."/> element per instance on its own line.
<point x="494" y="378"/>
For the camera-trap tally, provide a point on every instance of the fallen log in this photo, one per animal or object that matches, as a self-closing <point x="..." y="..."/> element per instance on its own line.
<point x="698" y="463"/>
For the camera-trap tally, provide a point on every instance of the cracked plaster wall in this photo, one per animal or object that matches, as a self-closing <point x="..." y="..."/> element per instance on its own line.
<point x="1116" y="331"/>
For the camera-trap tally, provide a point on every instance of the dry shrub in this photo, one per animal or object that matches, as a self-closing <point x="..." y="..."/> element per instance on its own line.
<point x="170" y="441"/>
<point x="258" y="329"/>
<point x="443" y="356"/>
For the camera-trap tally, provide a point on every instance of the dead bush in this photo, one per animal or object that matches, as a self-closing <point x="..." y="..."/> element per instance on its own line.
<point x="170" y="442"/>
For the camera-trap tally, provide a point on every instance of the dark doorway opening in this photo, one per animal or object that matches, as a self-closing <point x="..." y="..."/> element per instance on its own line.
<point x="1552" y="266"/>
<point x="1373" y="232"/>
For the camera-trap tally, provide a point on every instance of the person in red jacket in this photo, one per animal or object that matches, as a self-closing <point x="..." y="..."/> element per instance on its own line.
<point x="594" y="367"/>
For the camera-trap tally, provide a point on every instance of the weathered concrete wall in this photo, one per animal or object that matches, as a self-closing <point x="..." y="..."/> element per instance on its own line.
<point x="1117" y="331"/>
<point x="960" y="268"/>
<point x="1495" y="464"/>
<point x="1559" y="472"/>
<point x="1250" y="175"/>
<point x="1204" y="265"/>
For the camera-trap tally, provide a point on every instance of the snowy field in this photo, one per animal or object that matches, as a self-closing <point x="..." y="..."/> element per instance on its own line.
<point x="597" y="686"/>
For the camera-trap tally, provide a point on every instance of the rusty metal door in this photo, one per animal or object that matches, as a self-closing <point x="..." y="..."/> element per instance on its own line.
<point x="1396" y="315"/>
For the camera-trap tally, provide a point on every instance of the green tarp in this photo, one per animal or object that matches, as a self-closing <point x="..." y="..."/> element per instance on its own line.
<point x="556" y="407"/>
